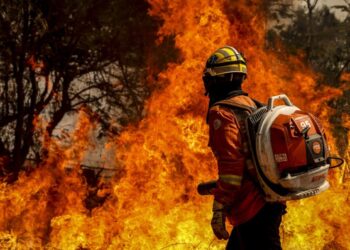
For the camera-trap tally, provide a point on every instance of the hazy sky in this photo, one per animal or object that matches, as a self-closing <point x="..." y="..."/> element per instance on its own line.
<point x="331" y="3"/>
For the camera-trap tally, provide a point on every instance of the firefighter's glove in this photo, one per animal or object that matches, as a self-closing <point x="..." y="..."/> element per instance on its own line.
<point x="218" y="221"/>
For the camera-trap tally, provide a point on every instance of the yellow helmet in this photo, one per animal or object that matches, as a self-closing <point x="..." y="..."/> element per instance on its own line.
<point x="224" y="61"/>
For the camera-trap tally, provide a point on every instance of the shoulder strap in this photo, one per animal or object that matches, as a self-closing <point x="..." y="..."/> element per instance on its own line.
<point x="238" y="106"/>
<point x="258" y="104"/>
<point x="233" y="104"/>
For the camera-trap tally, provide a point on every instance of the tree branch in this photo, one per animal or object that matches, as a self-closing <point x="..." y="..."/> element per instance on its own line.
<point x="95" y="86"/>
<point x="346" y="64"/>
<point x="93" y="99"/>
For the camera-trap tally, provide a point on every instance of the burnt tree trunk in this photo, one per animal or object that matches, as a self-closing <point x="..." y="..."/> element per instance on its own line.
<point x="64" y="107"/>
<point x="19" y="67"/>
<point x="310" y="33"/>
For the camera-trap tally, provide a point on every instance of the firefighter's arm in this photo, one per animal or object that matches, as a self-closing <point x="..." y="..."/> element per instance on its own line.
<point x="225" y="141"/>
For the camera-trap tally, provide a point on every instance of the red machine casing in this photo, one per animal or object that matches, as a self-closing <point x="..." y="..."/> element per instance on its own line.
<point x="287" y="139"/>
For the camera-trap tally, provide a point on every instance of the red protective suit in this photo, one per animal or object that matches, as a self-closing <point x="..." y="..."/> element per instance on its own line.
<point x="236" y="188"/>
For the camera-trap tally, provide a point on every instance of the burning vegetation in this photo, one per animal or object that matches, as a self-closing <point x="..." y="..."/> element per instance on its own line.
<point x="151" y="202"/>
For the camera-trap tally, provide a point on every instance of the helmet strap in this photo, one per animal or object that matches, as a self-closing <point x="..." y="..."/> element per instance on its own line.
<point x="231" y="77"/>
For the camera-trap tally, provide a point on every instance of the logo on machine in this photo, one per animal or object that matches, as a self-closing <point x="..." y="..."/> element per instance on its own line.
<point x="281" y="157"/>
<point x="302" y="123"/>
<point x="316" y="147"/>
<point x="305" y="123"/>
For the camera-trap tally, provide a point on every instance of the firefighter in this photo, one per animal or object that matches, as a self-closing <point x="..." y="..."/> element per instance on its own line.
<point x="237" y="195"/>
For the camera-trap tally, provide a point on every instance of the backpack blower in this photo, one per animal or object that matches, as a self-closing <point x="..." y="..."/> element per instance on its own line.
<point x="289" y="150"/>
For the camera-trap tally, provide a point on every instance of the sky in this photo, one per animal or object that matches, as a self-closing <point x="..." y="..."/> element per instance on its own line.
<point x="340" y="15"/>
<point x="297" y="3"/>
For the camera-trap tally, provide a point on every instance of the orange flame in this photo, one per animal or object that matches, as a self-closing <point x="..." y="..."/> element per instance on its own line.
<point x="154" y="204"/>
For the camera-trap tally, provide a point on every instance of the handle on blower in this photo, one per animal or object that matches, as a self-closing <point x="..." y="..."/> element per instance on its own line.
<point x="339" y="160"/>
<point x="206" y="188"/>
<point x="278" y="97"/>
